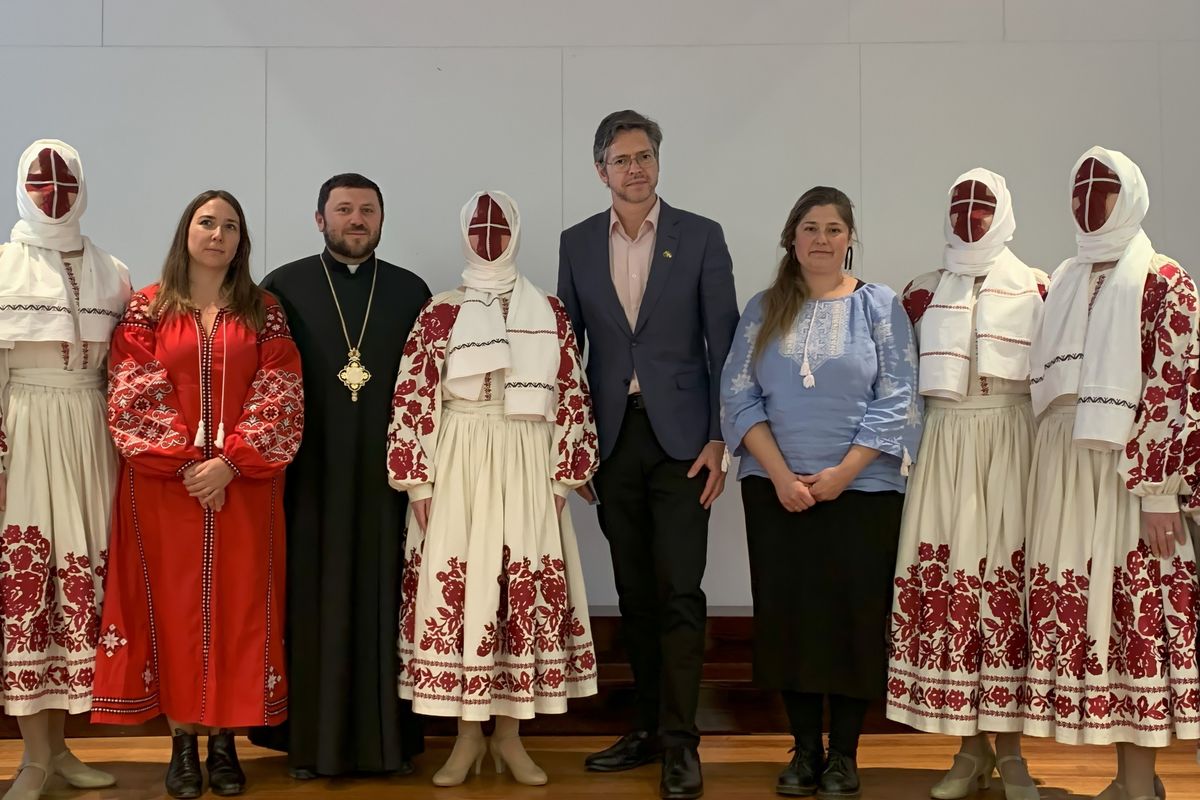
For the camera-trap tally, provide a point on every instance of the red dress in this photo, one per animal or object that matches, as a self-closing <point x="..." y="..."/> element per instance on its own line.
<point x="192" y="625"/>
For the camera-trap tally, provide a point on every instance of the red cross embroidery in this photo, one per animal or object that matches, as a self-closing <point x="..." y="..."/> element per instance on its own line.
<point x="971" y="201"/>
<point x="51" y="177"/>
<point x="490" y="224"/>
<point x="1094" y="182"/>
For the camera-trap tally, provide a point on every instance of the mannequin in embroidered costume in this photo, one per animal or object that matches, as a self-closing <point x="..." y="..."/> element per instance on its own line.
<point x="491" y="427"/>
<point x="344" y="523"/>
<point x="60" y="297"/>
<point x="1112" y="588"/>
<point x="959" y="644"/>
<point x="206" y="408"/>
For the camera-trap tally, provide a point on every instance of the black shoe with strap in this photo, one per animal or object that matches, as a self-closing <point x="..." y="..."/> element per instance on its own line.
<point x="184" y="778"/>
<point x="631" y="750"/>
<point x="840" y="778"/>
<point x="225" y="776"/>
<point x="801" y="777"/>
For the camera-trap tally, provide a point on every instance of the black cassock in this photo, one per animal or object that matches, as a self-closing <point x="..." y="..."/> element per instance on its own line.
<point x="345" y="526"/>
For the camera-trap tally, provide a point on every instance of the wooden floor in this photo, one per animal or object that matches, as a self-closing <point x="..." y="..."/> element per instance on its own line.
<point x="896" y="767"/>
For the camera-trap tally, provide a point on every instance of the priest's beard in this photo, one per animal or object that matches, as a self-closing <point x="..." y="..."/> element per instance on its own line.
<point x="340" y="247"/>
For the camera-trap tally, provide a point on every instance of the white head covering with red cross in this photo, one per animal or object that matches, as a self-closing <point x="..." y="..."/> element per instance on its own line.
<point x="522" y="343"/>
<point x="37" y="302"/>
<point x="51" y="196"/>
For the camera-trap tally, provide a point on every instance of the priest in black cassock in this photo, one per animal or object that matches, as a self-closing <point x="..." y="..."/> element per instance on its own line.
<point x="350" y="314"/>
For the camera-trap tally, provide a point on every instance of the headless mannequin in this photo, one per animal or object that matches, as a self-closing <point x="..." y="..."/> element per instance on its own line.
<point x="489" y="236"/>
<point x="54" y="190"/>
<point x="972" y="207"/>
<point x="1092" y="202"/>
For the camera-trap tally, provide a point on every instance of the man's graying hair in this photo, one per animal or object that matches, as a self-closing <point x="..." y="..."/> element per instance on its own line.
<point x="627" y="120"/>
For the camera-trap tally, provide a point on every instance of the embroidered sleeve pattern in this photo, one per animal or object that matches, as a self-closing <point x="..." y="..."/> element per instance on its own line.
<point x="3" y="424"/>
<point x="892" y="423"/>
<point x="576" y="453"/>
<point x="143" y="412"/>
<point x="416" y="401"/>
<point x="1160" y="460"/>
<point x="742" y="404"/>
<point x="916" y="298"/>
<point x="267" y="435"/>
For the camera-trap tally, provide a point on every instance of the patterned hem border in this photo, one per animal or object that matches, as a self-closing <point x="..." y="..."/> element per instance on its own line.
<point x="930" y="714"/>
<point x="983" y="677"/>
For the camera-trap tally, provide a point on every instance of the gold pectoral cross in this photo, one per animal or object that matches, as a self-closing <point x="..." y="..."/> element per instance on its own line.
<point x="354" y="375"/>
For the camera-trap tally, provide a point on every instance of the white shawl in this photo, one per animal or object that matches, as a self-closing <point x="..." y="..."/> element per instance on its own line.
<point x="525" y="344"/>
<point x="1097" y="356"/>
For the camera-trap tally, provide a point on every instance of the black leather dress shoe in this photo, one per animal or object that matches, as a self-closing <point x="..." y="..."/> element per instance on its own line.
<point x="405" y="768"/>
<point x="681" y="778"/>
<point x="801" y="777"/>
<point x="225" y="776"/>
<point x="184" y="778"/>
<point x="631" y="750"/>
<point x="302" y="773"/>
<point x="840" y="778"/>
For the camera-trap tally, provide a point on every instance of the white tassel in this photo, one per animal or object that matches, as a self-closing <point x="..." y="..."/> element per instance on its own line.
<point x="905" y="463"/>
<point x="806" y="371"/>
<point x="221" y="436"/>
<point x="199" y="440"/>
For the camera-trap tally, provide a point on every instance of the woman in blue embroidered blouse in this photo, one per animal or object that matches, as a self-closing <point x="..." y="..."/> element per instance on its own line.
<point x="819" y="398"/>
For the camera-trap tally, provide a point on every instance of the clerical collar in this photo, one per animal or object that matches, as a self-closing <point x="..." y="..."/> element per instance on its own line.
<point x="337" y="265"/>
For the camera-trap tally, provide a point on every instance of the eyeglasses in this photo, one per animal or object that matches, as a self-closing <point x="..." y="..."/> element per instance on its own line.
<point x="645" y="160"/>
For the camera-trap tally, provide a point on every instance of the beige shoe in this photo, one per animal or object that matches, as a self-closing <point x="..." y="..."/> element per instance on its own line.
<point x="79" y="774"/>
<point x="980" y="778"/>
<point x="510" y="751"/>
<point x="468" y="750"/>
<point x="28" y="794"/>
<point x="1013" y="791"/>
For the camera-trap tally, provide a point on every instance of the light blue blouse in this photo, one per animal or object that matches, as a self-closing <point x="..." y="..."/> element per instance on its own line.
<point x="863" y="362"/>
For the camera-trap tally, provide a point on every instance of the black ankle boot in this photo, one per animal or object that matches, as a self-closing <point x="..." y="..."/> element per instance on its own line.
<point x="840" y="778"/>
<point x="225" y="776"/>
<point x="801" y="777"/>
<point x="184" y="778"/>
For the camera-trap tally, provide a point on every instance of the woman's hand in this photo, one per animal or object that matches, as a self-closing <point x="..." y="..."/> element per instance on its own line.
<point x="204" y="480"/>
<point x="217" y="503"/>
<point x="559" y="503"/>
<point x="794" y="494"/>
<point x="827" y="484"/>
<point x="421" y="512"/>
<point x="1162" y="530"/>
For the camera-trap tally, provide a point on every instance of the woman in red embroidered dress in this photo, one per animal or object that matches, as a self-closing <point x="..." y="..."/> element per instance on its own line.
<point x="491" y="429"/>
<point x="1112" y="591"/>
<point x="206" y="409"/>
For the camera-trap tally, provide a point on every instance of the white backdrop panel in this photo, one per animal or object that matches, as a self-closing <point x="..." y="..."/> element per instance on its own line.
<point x="431" y="127"/>
<point x="922" y="127"/>
<point x="153" y="127"/>
<point x="447" y="23"/>
<point x="31" y="23"/>
<point x="926" y="20"/>
<point x="743" y="137"/>
<point x="1181" y="156"/>
<point x="1101" y="20"/>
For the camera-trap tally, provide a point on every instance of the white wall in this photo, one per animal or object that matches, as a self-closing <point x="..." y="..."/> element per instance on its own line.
<point x="759" y="99"/>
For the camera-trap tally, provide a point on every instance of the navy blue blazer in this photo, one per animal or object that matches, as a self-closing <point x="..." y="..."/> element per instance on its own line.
<point x="683" y="331"/>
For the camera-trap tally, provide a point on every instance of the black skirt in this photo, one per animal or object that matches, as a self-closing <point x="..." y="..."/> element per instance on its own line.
<point x="822" y="586"/>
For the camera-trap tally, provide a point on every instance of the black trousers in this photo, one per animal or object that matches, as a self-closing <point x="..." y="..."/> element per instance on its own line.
<point x="846" y="718"/>
<point x="657" y="533"/>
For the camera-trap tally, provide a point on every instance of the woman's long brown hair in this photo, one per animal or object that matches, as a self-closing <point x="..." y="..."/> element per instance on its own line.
<point x="781" y="303"/>
<point x="245" y="299"/>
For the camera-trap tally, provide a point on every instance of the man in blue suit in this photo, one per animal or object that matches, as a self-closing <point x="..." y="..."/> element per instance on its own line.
<point x="649" y="289"/>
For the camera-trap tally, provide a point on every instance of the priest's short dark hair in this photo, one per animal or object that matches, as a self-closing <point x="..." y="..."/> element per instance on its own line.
<point x="347" y="180"/>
